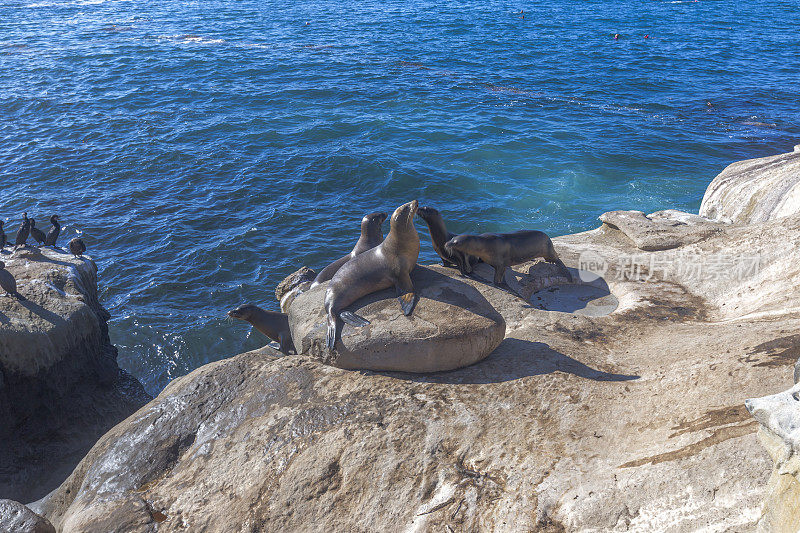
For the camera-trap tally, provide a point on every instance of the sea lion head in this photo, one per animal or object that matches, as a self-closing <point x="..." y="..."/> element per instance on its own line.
<point x="243" y="312"/>
<point x="373" y="219"/>
<point x="428" y="213"/>
<point x="459" y="242"/>
<point x="403" y="216"/>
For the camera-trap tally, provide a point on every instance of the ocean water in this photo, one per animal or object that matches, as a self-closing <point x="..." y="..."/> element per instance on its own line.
<point x="205" y="150"/>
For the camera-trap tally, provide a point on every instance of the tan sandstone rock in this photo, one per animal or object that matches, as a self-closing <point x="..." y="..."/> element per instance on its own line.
<point x="625" y="417"/>
<point x="16" y="518"/>
<point x="452" y="326"/>
<point x="60" y="387"/>
<point x="755" y="190"/>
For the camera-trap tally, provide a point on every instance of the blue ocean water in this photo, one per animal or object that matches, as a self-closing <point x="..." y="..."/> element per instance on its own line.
<point x="205" y="150"/>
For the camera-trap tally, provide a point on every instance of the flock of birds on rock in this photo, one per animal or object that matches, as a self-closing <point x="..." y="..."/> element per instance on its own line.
<point x="28" y="229"/>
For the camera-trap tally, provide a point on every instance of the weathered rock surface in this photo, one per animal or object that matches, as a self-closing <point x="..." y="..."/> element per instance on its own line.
<point x="779" y="416"/>
<point x="292" y="285"/>
<point x="60" y="387"/>
<point x="662" y="230"/>
<point x="632" y="419"/>
<point x="16" y="518"/>
<point x="452" y="326"/>
<point x="755" y="190"/>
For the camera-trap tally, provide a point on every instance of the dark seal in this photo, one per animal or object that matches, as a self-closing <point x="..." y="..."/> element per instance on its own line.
<point x="439" y="236"/>
<point x="502" y="250"/>
<point x="271" y="323"/>
<point x="388" y="264"/>
<point x="371" y="236"/>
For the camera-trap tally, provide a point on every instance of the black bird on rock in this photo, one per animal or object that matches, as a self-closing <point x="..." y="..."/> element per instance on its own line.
<point x="52" y="233"/>
<point x="2" y="236"/>
<point x="23" y="231"/>
<point x="77" y="247"/>
<point x="8" y="283"/>
<point x="37" y="234"/>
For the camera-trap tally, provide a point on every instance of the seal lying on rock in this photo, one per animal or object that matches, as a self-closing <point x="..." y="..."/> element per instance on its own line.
<point x="389" y="263"/>
<point x="273" y="325"/>
<point x="502" y="250"/>
<point x="371" y="236"/>
<point x="439" y="236"/>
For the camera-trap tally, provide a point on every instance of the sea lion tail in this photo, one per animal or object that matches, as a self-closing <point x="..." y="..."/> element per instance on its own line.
<point x="353" y="319"/>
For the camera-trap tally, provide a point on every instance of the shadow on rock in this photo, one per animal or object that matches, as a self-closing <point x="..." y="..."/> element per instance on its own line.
<point x="515" y="359"/>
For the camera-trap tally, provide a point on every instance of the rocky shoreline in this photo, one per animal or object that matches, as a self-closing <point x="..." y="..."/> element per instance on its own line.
<point x="613" y="404"/>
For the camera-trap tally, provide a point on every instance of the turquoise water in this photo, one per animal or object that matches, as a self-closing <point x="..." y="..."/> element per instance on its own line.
<point x="206" y="149"/>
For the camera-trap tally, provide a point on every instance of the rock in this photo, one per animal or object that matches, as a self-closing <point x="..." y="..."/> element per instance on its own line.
<point x="662" y="230"/>
<point x="61" y="386"/>
<point x="779" y="416"/>
<point x="16" y="518"/>
<point x="755" y="190"/>
<point x="452" y="326"/>
<point x="630" y="418"/>
<point x="292" y="285"/>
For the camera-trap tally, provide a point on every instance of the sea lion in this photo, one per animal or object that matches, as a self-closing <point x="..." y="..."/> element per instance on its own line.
<point x="439" y="236"/>
<point x="23" y="232"/>
<point x="3" y="238"/>
<point x="371" y="236"/>
<point x="389" y="263"/>
<point x="77" y="247"/>
<point x="502" y="250"/>
<point x="52" y="233"/>
<point x="272" y="324"/>
<point x="8" y="283"/>
<point x="37" y="234"/>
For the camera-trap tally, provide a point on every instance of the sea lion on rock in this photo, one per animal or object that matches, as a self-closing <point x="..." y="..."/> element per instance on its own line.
<point x="7" y="282"/>
<point x="272" y="324"/>
<point x="37" y="234"/>
<point x="77" y="247"/>
<point x="439" y="236"/>
<point x="52" y="233"/>
<point x="389" y="263"/>
<point x="502" y="250"/>
<point x="23" y="232"/>
<point x="371" y="236"/>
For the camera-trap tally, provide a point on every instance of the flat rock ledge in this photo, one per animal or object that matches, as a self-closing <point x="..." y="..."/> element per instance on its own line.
<point x="60" y="386"/>
<point x="452" y="326"/>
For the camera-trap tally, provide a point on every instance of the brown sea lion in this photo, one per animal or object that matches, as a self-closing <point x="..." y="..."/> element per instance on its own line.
<point x="502" y="250"/>
<point x="439" y="236"/>
<point x="371" y="236"/>
<point x="272" y="324"/>
<point x="388" y="264"/>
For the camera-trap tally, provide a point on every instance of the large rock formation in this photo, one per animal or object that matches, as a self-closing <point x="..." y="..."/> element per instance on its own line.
<point x="60" y="387"/>
<point x="779" y="416"/>
<point x="16" y="518"/>
<point x="628" y="417"/>
<point x="452" y="326"/>
<point x="755" y="190"/>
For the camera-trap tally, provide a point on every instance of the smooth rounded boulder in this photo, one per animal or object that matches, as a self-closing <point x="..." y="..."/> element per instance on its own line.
<point x="17" y="518"/>
<point x="452" y="326"/>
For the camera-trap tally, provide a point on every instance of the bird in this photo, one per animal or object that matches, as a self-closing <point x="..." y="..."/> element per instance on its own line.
<point x="52" y="233"/>
<point x="37" y="234"/>
<point x="23" y="231"/>
<point x="7" y="282"/>
<point x="3" y="238"/>
<point x="77" y="247"/>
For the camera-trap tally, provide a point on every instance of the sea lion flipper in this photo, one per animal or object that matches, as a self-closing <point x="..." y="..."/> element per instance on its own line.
<point x="353" y="319"/>
<point x="285" y="340"/>
<point x="407" y="302"/>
